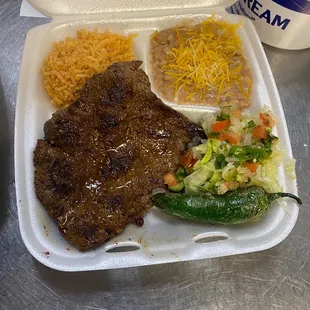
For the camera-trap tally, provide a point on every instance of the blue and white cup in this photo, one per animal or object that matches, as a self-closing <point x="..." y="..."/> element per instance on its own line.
<point x="279" y="23"/>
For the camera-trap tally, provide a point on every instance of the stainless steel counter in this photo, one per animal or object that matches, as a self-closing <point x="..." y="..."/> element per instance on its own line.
<point x="278" y="278"/>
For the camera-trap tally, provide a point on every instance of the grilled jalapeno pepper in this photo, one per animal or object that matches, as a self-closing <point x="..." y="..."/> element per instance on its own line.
<point x="235" y="207"/>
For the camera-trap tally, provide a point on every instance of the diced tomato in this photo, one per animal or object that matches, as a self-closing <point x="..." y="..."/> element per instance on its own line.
<point x="222" y="136"/>
<point x="251" y="166"/>
<point x="170" y="179"/>
<point x="260" y="132"/>
<point x="220" y="125"/>
<point x="233" y="137"/>
<point x="188" y="160"/>
<point x="236" y="114"/>
<point x="267" y="119"/>
<point x="230" y="137"/>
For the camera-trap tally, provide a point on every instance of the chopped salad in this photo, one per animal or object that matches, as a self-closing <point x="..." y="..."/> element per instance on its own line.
<point x="240" y="151"/>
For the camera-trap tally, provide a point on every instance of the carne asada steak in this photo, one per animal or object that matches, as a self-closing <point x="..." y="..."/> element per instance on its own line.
<point x="103" y="155"/>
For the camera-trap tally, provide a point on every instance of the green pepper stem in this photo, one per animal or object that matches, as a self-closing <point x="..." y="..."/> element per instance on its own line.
<point x="274" y="196"/>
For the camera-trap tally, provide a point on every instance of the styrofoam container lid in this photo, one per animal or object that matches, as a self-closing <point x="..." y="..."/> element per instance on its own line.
<point x="81" y="7"/>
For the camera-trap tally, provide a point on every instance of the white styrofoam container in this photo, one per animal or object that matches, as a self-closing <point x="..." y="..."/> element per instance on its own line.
<point x="163" y="238"/>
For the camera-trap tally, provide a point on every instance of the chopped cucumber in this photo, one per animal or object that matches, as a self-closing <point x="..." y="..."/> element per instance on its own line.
<point x="177" y="188"/>
<point x="208" y="155"/>
<point x="216" y="177"/>
<point x="181" y="174"/>
<point x="208" y="186"/>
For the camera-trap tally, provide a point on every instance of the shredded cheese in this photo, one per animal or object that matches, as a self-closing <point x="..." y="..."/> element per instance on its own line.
<point x="206" y="59"/>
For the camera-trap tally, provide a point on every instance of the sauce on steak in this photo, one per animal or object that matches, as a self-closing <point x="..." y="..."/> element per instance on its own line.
<point x="103" y="155"/>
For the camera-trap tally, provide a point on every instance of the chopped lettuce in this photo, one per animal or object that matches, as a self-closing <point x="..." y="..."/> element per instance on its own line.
<point x="290" y="168"/>
<point x="196" y="179"/>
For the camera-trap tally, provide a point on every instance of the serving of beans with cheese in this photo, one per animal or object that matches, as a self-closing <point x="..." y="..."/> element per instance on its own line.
<point x="202" y="64"/>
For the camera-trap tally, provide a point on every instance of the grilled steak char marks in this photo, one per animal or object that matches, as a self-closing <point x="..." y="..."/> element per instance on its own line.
<point x="103" y="155"/>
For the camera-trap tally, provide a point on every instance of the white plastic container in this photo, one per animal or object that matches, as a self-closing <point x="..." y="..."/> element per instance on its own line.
<point x="279" y="23"/>
<point x="163" y="238"/>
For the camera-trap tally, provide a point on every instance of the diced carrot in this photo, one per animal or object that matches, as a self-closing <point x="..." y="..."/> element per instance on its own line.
<point x="170" y="179"/>
<point x="260" y="132"/>
<point x="187" y="160"/>
<point x="267" y="119"/>
<point x="236" y="114"/>
<point x="220" y="125"/>
<point x="232" y="137"/>
<point x="251" y="166"/>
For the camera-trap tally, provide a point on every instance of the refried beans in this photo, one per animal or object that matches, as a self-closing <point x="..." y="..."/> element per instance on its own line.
<point x="183" y="70"/>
